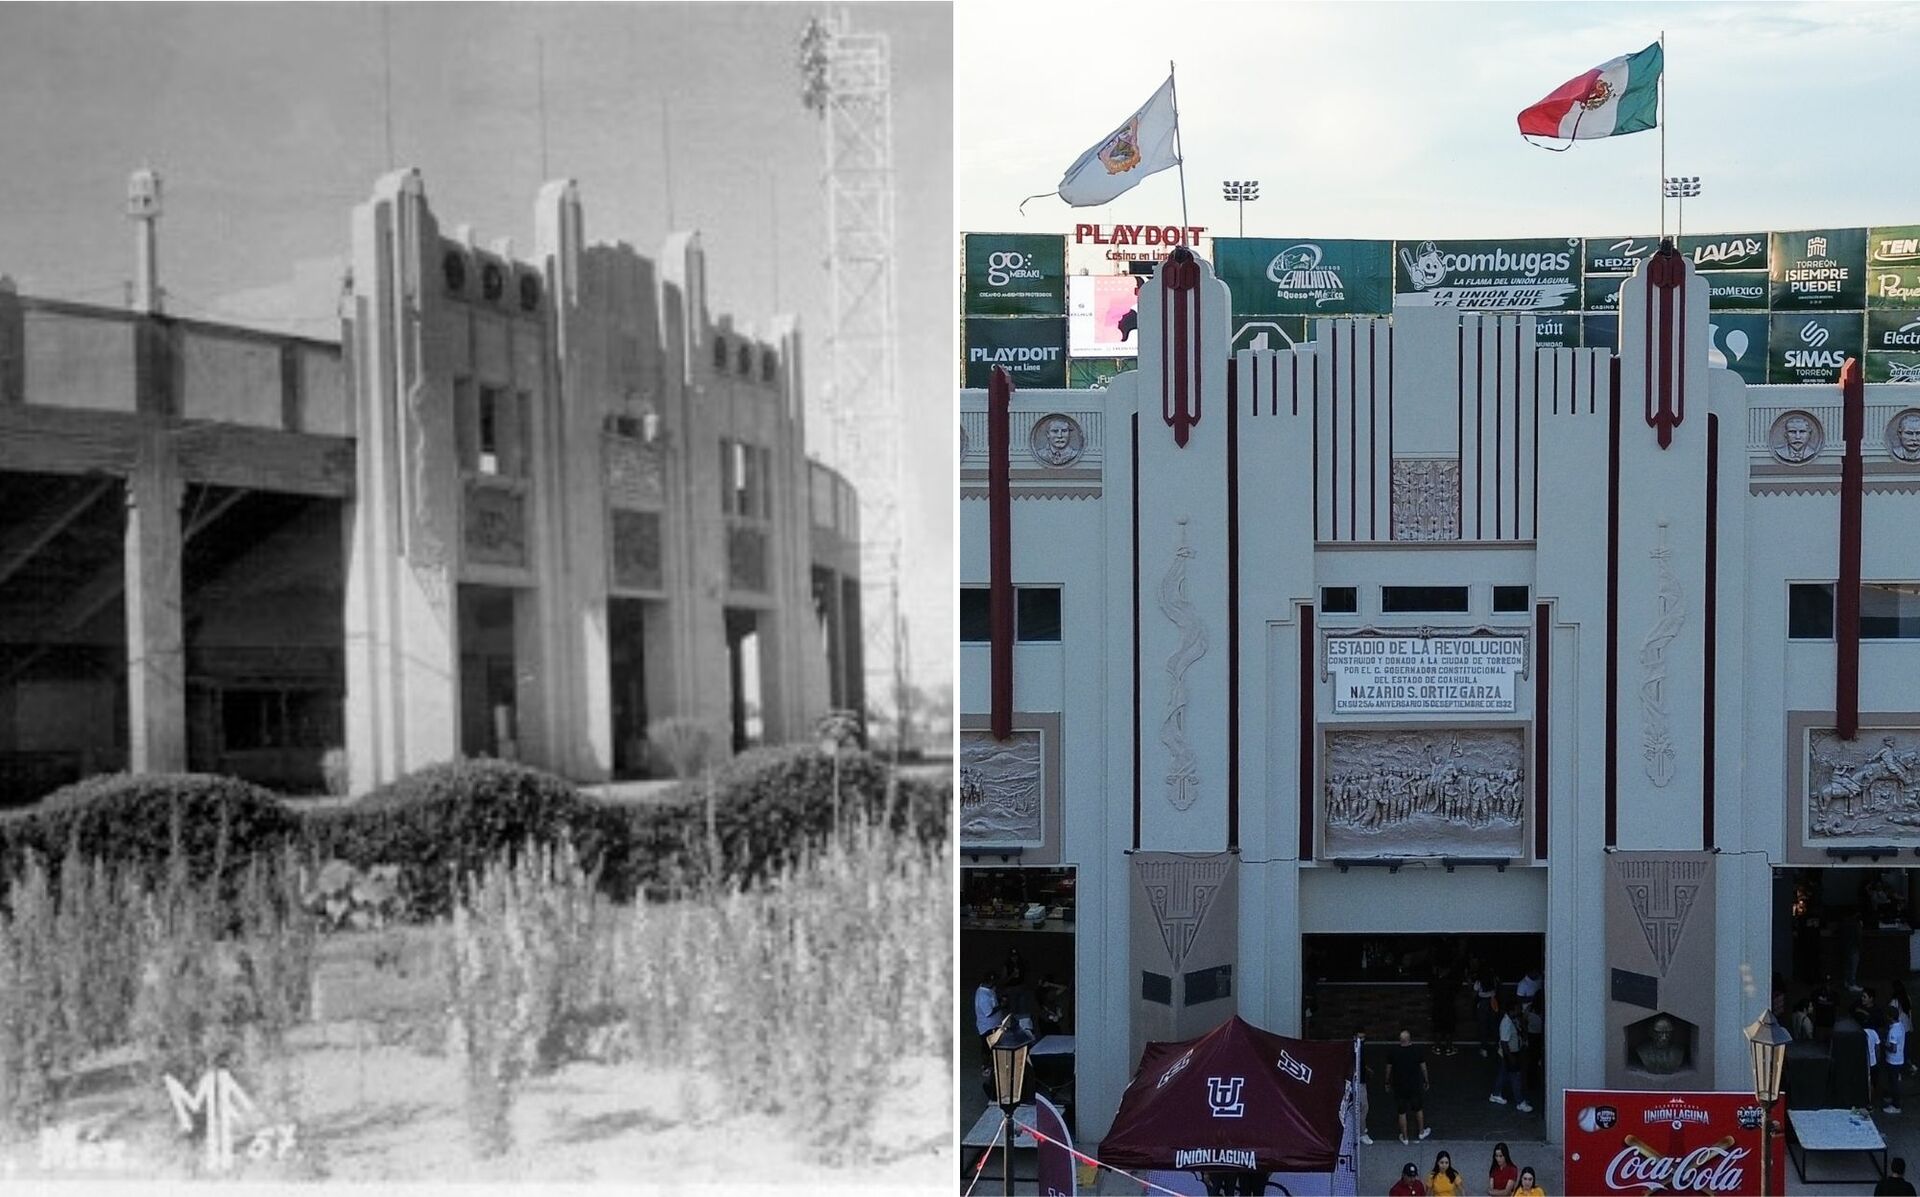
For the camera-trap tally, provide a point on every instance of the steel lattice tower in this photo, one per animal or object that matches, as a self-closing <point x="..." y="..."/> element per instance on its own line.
<point x="848" y="83"/>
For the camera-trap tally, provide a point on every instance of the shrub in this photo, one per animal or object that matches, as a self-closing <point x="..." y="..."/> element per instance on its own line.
<point x="686" y="744"/>
<point x="451" y="819"/>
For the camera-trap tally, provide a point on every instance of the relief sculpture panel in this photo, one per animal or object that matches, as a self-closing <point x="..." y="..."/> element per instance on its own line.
<point x="1425" y="792"/>
<point x="1426" y="498"/>
<point x="1000" y="789"/>
<point x="1866" y="789"/>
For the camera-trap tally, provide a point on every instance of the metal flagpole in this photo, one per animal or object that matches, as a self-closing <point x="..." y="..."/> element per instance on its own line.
<point x="1179" y="151"/>
<point x="1663" y="135"/>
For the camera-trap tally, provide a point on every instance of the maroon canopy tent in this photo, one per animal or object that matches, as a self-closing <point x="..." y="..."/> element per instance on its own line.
<point x="1237" y="1098"/>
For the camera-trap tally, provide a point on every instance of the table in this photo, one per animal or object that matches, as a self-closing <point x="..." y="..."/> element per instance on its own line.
<point x="1053" y="1045"/>
<point x="1835" y="1131"/>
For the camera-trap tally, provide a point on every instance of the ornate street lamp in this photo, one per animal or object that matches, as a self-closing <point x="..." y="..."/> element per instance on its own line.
<point x="1241" y="192"/>
<point x="1009" y="1045"/>
<point x="1768" y="1041"/>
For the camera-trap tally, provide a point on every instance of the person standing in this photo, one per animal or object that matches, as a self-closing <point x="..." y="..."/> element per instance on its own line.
<point x="986" y="1010"/>
<point x="1512" y="1074"/>
<point x="1502" y="1177"/>
<point x="1409" y="1183"/>
<point x="1893" y="1059"/>
<point x="1486" y="1007"/>
<point x="1407" y="1077"/>
<point x="1366" y="1082"/>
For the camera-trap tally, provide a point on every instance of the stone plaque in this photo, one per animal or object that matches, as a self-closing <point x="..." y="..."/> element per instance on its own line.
<point x="1796" y="437"/>
<point x="1000" y="789"/>
<point x="1425" y="792"/>
<point x="496" y="526"/>
<point x="746" y="558"/>
<point x="636" y="550"/>
<point x="1864" y="790"/>
<point x="1393" y="674"/>
<point x="1426" y="498"/>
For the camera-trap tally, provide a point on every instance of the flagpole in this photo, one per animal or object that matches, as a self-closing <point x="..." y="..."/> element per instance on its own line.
<point x="1663" y="135"/>
<point x="1179" y="151"/>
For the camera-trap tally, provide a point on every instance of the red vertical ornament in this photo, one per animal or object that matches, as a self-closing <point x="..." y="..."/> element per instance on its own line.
<point x="1846" y="600"/>
<point x="1000" y="552"/>
<point x="1180" y="343"/>
<point x="1666" y="392"/>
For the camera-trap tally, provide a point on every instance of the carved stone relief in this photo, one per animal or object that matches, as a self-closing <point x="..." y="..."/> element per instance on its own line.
<point x="1180" y="893"/>
<point x="1662" y="893"/>
<point x="1183" y="771"/>
<point x="1000" y="789"/>
<point x="1903" y="434"/>
<point x="1426" y="498"/>
<point x="1425" y="792"/>
<point x="496" y="527"/>
<point x="636" y="473"/>
<point x="1057" y="440"/>
<point x="1867" y="788"/>
<point x="637" y="558"/>
<point x="1796" y="437"/>
<point x="1656" y="740"/>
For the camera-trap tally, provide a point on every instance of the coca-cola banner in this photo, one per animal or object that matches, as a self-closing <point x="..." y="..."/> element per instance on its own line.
<point x="1630" y="1141"/>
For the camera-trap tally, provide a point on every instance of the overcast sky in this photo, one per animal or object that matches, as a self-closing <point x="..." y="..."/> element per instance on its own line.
<point x="1397" y="120"/>
<point x="266" y="125"/>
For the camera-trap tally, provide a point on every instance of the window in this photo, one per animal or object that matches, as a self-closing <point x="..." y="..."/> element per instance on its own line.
<point x="1208" y="984"/>
<point x="726" y="476"/>
<point x="490" y="420"/>
<point x="1339" y="600"/>
<point x="1810" y="611"/>
<point x="1036" y="613"/>
<point x="720" y="353"/>
<point x="976" y="620"/>
<point x="1409" y="599"/>
<point x="1509" y="599"/>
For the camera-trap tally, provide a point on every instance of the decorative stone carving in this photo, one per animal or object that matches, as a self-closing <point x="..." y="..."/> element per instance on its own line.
<point x="1000" y="789"/>
<point x="1903" y="435"/>
<point x="636" y="472"/>
<point x="746" y="558"/>
<point x="1796" y="437"/>
<point x="1426" y="498"/>
<point x="1180" y="893"/>
<point x="1183" y="772"/>
<point x="1660" y="1045"/>
<point x="1656" y="741"/>
<point x="496" y="529"/>
<point x="426" y="542"/>
<point x="1662" y="893"/>
<point x="1867" y="788"/>
<point x="1056" y="440"/>
<point x="963" y="442"/>
<point x="1422" y="792"/>
<point x="637" y="558"/>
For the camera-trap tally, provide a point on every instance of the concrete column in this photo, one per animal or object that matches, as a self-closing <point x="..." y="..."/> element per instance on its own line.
<point x="156" y="652"/>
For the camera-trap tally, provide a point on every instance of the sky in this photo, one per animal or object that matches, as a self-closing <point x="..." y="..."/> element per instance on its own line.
<point x="267" y="124"/>
<point x="1398" y="120"/>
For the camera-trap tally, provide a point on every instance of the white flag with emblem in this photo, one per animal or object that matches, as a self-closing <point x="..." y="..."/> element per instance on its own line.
<point x="1142" y="145"/>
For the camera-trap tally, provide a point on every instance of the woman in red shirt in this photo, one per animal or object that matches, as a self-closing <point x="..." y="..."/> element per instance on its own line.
<point x="1502" y="1178"/>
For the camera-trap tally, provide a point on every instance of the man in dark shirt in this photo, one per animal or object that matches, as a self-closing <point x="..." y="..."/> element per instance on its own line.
<point x="1896" y="1183"/>
<point x="1407" y="1076"/>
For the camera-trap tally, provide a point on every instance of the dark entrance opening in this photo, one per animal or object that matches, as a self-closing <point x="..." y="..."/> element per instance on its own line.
<point x="627" y="659"/>
<point x="488" y="706"/>
<point x="743" y="673"/>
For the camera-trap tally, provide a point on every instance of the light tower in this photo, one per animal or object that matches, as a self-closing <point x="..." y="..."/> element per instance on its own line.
<point x="847" y="81"/>
<point x="143" y="208"/>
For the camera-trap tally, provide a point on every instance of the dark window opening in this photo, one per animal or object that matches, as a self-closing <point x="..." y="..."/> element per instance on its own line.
<point x="719" y="353"/>
<point x="1036" y="613"/>
<point x="1339" y="600"/>
<point x="1156" y="987"/>
<point x="976" y="619"/>
<point x="1409" y="599"/>
<point x="1509" y="599"/>
<point x="1209" y="984"/>
<point x="489" y="431"/>
<point x="1810" y="611"/>
<point x="1890" y="611"/>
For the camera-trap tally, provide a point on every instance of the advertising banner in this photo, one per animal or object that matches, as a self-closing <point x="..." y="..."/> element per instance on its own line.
<point x="1741" y="337"/>
<point x="1103" y="315"/>
<point x="1819" y="270"/>
<point x="1299" y="276"/>
<point x="1516" y="275"/>
<point x="1600" y="331"/>
<point x="1893" y="331"/>
<point x="1092" y="373"/>
<point x="1269" y="332"/>
<point x="1811" y="347"/>
<point x="1736" y="290"/>
<point x="1115" y="248"/>
<point x="1402" y="674"/>
<point x="1563" y="331"/>
<point x="1893" y="266"/>
<point x="1033" y="350"/>
<point x="1602" y="294"/>
<point x="1632" y="1141"/>
<point x="1015" y="274"/>
<point x="1893" y="367"/>
<point x="1616" y="255"/>
<point x="1725" y="251"/>
<point x="1056" y="1178"/>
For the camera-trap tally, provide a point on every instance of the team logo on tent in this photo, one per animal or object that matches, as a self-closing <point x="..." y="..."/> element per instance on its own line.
<point x="1294" y="1068"/>
<point x="1601" y="93"/>
<point x="1122" y="153"/>
<point x="1223" y="1095"/>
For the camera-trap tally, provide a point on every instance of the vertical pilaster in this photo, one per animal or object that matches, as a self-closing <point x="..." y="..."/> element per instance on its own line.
<point x="156" y="651"/>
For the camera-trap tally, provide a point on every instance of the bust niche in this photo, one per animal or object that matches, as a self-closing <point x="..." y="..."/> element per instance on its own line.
<point x="1660" y="1045"/>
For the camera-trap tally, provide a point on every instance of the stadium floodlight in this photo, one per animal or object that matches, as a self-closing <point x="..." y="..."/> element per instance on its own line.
<point x="1682" y="188"/>
<point x="1241" y="192"/>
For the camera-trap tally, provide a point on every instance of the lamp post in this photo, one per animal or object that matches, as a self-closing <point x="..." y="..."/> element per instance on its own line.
<point x="1241" y="192"/>
<point x="1009" y="1045"/>
<point x="1768" y="1041"/>
<point x="1682" y="188"/>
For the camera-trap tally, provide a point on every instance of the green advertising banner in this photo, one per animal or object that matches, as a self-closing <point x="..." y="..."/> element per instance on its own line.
<point x="1295" y="276"/>
<point x="1557" y="329"/>
<point x="1518" y="275"/>
<point x="1725" y="251"/>
<point x="1741" y="337"/>
<point x="1893" y="266"/>
<point x="1811" y="347"/>
<point x="1616" y="255"/>
<point x="1269" y="332"/>
<point x="1600" y="332"/>
<point x="1819" y="270"/>
<point x="1015" y="274"/>
<point x="1602" y="294"/>
<point x="1092" y="373"/>
<point x="1893" y="367"/>
<point x="1736" y="290"/>
<point x="1033" y="351"/>
<point x="1890" y="331"/>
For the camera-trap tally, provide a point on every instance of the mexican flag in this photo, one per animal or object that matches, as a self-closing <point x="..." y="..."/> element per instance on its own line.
<point x="1621" y="95"/>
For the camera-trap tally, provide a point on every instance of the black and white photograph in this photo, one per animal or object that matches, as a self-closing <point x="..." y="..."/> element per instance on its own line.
<point x="476" y="595"/>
